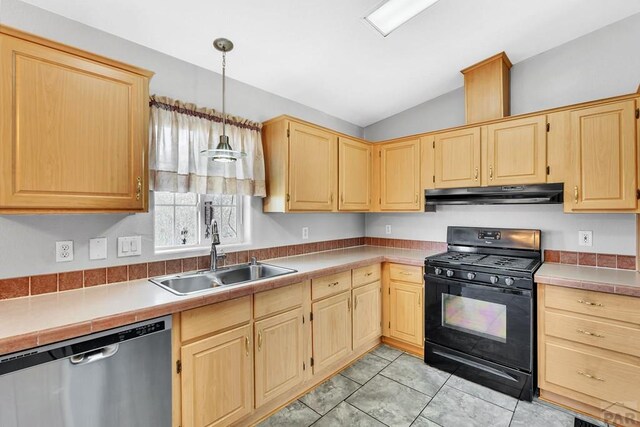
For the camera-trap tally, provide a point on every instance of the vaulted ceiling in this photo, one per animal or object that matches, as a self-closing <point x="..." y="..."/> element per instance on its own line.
<point x="322" y="54"/>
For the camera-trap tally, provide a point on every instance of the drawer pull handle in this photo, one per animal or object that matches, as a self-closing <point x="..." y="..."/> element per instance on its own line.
<point x="591" y="377"/>
<point x="138" y="188"/>
<point x="332" y="284"/>
<point x="593" y="304"/>
<point x="591" y="334"/>
<point x="405" y="273"/>
<point x="369" y="273"/>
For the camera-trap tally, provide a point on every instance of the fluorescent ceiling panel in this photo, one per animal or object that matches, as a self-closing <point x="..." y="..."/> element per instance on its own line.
<point x="393" y="13"/>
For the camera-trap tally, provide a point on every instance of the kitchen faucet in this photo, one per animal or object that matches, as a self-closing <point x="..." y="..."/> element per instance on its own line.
<point x="215" y="241"/>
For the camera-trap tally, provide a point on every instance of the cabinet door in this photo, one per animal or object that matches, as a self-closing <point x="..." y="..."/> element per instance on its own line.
<point x="366" y="314"/>
<point x="405" y="312"/>
<point x="312" y="168"/>
<point x="517" y="152"/>
<point x="400" y="176"/>
<point x="354" y="177"/>
<point x="331" y="330"/>
<point x="457" y="162"/>
<point x="603" y="147"/>
<point x="75" y="132"/>
<point x="279" y="355"/>
<point x="217" y="379"/>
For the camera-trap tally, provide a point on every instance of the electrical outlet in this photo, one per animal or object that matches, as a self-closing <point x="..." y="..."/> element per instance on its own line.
<point x="305" y="233"/>
<point x="387" y="229"/>
<point x="98" y="248"/>
<point x="64" y="251"/>
<point x="585" y="238"/>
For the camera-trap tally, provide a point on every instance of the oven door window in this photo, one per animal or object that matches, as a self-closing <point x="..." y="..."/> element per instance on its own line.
<point x="481" y="318"/>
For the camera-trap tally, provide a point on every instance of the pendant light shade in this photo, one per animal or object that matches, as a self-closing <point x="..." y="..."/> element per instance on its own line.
<point x="223" y="152"/>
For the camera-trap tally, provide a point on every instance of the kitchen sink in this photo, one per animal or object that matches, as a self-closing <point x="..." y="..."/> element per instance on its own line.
<point x="186" y="284"/>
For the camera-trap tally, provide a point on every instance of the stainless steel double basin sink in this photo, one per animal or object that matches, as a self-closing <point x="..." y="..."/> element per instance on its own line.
<point x="200" y="281"/>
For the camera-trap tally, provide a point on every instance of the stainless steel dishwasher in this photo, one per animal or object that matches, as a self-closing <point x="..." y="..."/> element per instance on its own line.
<point x="119" y="377"/>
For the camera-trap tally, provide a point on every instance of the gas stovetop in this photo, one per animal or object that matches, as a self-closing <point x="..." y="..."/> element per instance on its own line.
<point x="498" y="262"/>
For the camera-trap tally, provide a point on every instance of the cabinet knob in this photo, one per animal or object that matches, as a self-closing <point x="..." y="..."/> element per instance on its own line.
<point x="138" y="188"/>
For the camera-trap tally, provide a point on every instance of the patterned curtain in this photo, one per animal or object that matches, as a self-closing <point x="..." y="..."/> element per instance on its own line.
<point x="179" y="131"/>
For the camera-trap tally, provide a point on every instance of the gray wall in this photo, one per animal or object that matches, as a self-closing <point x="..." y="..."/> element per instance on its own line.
<point x="598" y="65"/>
<point x="27" y="243"/>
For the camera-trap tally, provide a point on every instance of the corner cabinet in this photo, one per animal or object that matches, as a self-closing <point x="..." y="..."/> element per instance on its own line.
<point x="74" y="129"/>
<point x="400" y="188"/>
<point x="603" y="159"/>
<point x="301" y="167"/>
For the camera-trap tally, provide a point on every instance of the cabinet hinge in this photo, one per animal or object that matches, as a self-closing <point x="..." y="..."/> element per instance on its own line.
<point x="311" y="317"/>
<point x="303" y="319"/>
<point x="548" y="170"/>
<point x="434" y="144"/>
<point x="389" y="291"/>
<point x="288" y="133"/>
<point x="548" y="126"/>
<point x="637" y="113"/>
<point x="434" y="178"/>
<point x="638" y="194"/>
<point x="304" y="367"/>
<point x="311" y="364"/>
<point x="380" y="200"/>
<point x="178" y="366"/>
<point x="389" y="324"/>
<point x="380" y="154"/>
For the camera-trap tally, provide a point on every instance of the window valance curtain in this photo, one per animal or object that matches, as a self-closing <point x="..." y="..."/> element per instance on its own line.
<point x="179" y="131"/>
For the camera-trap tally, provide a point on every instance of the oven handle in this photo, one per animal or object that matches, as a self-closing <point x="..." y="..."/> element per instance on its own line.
<point x="520" y="292"/>
<point x="476" y="365"/>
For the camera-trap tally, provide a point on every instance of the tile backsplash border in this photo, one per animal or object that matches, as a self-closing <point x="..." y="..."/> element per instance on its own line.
<point x="17" y="287"/>
<point x="590" y="259"/>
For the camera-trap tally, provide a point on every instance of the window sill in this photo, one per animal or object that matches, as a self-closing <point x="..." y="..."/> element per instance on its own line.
<point x="202" y="250"/>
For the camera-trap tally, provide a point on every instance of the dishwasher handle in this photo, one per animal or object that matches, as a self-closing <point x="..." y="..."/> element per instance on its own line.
<point x="94" y="355"/>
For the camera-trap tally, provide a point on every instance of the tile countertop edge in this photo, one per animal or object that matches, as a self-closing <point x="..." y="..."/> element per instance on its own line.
<point x="598" y="279"/>
<point x="36" y="337"/>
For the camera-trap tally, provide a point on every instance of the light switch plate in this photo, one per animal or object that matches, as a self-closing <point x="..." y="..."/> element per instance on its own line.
<point x="585" y="238"/>
<point x="129" y="246"/>
<point x="98" y="248"/>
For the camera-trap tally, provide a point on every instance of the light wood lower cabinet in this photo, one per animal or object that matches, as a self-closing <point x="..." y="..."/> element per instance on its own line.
<point x="217" y="379"/>
<point x="331" y="330"/>
<point x="279" y="355"/>
<point x="366" y="314"/>
<point x="405" y="312"/>
<point x="588" y="356"/>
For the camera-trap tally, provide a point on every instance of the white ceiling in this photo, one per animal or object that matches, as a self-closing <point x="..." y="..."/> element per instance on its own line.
<point x="322" y="54"/>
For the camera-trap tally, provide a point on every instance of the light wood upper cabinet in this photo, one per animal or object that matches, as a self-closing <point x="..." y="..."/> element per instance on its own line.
<point x="354" y="175"/>
<point x="457" y="158"/>
<point x="517" y="152"/>
<point x="301" y="162"/>
<point x="366" y="314"/>
<point x="603" y="158"/>
<point x="75" y="129"/>
<point x="279" y="353"/>
<point x="406" y="312"/>
<point x="312" y="168"/>
<point x="217" y="379"/>
<point x="400" y="176"/>
<point x="331" y="330"/>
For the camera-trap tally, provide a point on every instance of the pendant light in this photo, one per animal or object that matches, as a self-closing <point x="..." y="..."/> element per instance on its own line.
<point x="223" y="151"/>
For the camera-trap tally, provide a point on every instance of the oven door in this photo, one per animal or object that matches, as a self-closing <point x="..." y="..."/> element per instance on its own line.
<point x="488" y="322"/>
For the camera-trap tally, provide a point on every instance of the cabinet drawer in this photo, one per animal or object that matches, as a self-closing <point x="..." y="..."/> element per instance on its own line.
<point x="593" y="332"/>
<point x="608" y="306"/>
<point x="406" y="273"/>
<point x="277" y="300"/>
<point x="215" y="317"/>
<point x="593" y="375"/>
<point x="364" y="275"/>
<point x="330" y="285"/>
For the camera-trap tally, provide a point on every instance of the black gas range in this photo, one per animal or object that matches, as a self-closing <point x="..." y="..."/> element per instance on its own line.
<point x="480" y="307"/>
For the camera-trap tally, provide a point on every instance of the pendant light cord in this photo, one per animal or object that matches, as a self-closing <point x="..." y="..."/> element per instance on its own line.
<point x="224" y="114"/>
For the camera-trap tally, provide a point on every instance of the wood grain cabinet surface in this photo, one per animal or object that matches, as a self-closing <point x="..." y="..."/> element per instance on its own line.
<point x="354" y="174"/>
<point x="75" y="129"/>
<point x="457" y="158"/>
<point x="400" y="175"/>
<point x="331" y="330"/>
<point x="366" y="314"/>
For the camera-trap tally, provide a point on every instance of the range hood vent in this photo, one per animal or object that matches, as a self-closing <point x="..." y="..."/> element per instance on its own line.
<point x="496" y="195"/>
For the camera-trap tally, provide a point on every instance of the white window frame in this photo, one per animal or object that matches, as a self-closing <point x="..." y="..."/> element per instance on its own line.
<point x="202" y="242"/>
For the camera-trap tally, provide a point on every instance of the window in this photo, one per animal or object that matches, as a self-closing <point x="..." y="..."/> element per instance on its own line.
<point x="180" y="219"/>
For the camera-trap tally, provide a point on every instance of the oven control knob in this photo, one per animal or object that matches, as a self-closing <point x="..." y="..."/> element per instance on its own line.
<point x="438" y="271"/>
<point x="449" y="273"/>
<point x="471" y="276"/>
<point x="493" y="279"/>
<point x="509" y="281"/>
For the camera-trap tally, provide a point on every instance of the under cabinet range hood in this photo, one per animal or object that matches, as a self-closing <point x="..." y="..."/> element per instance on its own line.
<point x="496" y="195"/>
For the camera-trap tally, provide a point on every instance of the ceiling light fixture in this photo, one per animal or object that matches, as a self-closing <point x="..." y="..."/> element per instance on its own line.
<point x="223" y="151"/>
<point x="393" y="13"/>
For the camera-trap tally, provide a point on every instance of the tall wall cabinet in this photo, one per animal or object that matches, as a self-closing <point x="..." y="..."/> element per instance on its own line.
<point x="74" y="129"/>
